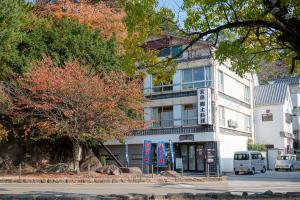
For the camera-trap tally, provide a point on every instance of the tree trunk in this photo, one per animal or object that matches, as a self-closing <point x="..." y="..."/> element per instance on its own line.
<point x="77" y="151"/>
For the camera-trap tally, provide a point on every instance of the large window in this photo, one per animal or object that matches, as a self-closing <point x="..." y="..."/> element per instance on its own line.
<point x="189" y="114"/>
<point x="163" y="116"/>
<point x="196" y="77"/>
<point x="221" y="80"/>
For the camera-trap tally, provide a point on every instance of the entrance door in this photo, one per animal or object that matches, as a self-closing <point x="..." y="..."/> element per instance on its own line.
<point x="192" y="157"/>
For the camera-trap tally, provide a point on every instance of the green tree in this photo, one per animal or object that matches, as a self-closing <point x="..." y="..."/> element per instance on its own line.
<point x="14" y="19"/>
<point x="66" y="39"/>
<point x="246" y="32"/>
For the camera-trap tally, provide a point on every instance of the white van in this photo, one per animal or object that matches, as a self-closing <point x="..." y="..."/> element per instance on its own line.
<point x="287" y="162"/>
<point x="248" y="162"/>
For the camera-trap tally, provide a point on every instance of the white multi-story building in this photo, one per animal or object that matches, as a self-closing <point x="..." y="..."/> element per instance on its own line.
<point x="273" y="117"/>
<point x="222" y="121"/>
<point x="294" y="87"/>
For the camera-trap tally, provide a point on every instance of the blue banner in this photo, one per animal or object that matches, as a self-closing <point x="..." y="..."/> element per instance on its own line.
<point x="147" y="148"/>
<point x="161" y="154"/>
<point x="171" y="154"/>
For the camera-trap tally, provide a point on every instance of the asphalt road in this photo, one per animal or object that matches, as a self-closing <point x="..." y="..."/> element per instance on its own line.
<point x="275" y="181"/>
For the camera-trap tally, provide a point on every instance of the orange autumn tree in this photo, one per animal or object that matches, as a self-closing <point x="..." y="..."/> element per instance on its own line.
<point x="70" y="102"/>
<point x="97" y="15"/>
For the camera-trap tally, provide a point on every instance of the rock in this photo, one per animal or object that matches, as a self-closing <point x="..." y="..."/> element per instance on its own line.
<point x="292" y="194"/>
<point x="28" y="169"/>
<point x="169" y="173"/>
<point x="57" y="168"/>
<point x="268" y="193"/>
<point x="110" y="170"/>
<point x="179" y="196"/>
<point x="91" y="160"/>
<point x="131" y="170"/>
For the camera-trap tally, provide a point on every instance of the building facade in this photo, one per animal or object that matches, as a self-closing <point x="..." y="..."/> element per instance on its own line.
<point x="294" y="87"/>
<point x="273" y="117"/>
<point x="205" y="107"/>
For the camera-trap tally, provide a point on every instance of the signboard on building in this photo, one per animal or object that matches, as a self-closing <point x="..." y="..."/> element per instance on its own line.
<point x="161" y="154"/>
<point x="147" y="148"/>
<point x="204" y="106"/>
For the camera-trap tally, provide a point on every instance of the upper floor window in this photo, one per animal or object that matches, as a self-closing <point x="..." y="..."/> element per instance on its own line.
<point x="267" y="117"/>
<point x="196" y="77"/>
<point x="221" y="80"/>
<point x="288" y="118"/>
<point x="247" y="123"/>
<point x="160" y="87"/>
<point x="173" y="51"/>
<point x="163" y="116"/>
<point x="222" y="115"/>
<point x="247" y="94"/>
<point x="189" y="114"/>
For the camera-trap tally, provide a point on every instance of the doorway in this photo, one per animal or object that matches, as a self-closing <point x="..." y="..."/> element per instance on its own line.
<point x="192" y="157"/>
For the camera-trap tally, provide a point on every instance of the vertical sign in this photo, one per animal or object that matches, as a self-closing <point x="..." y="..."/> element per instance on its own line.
<point x="171" y="154"/>
<point x="204" y="106"/>
<point x="147" y="152"/>
<point x="161" y="154"/>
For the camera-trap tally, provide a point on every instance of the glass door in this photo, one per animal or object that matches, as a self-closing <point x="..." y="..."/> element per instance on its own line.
<point x="192" y="158"/>
<point x="184" y="156"/>
<point x="200" y="158"/>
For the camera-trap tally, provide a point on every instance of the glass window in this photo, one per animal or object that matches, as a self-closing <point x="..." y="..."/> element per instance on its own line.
<point x="267" y="117"/>
<point x="164" y="52"/>
<point x="187" y="75"/>
<point x="189" y="114"/>
<point x="247" y="123"/>
<point x="247" y="94"/>
<point x="222" y="115"/>
<point x="196" y="77"/>
<point x="221" y="80"/>
<point x="162" y="116"/>
<point x="176" y="50"/>
<point x="198" y="74"/>
<point x="241" y="156"/>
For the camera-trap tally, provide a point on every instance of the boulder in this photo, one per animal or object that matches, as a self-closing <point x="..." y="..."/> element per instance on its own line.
<point x="91" y="161"/>
<point x="110" y="170"/>
<point x="169" y="173"/>
<point x="131" y="170"/>
<point x="57" y="168"/>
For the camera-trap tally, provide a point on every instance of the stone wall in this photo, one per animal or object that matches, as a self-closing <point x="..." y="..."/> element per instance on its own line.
<point x="173" y="196"/>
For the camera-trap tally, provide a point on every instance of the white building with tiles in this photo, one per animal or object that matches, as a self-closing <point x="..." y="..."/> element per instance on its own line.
<point x="176" y="112"/>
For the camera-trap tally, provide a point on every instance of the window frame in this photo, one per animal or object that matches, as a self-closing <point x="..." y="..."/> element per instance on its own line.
<point x="207" y="69"/>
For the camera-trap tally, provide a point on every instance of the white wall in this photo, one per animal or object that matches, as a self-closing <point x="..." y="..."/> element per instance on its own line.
<point x="228" y="145"/>
<point x="268" y="132"/>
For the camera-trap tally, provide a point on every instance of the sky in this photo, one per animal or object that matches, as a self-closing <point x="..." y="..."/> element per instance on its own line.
<point x="174" y="5"/>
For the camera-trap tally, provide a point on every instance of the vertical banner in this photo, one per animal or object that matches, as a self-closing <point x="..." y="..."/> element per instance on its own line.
<point x="171" y="154"/>
<point x="204" y="106"/>
<point x="147" y="152"/>
<point x="161" y="154"/>
<point x="126" y="154"/>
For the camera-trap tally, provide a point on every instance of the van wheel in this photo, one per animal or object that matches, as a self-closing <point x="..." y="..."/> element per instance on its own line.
<point x="236" y="172"/>
<point x="263" y="170"/>
<point x="252" y="172"/>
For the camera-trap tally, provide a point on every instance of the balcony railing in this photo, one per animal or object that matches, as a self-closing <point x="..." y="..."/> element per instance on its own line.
<point x="175" y="130"/>
<point x="287" y="135"/>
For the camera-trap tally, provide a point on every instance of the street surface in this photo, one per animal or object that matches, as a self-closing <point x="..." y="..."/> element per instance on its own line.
<point x="275" y="181"/>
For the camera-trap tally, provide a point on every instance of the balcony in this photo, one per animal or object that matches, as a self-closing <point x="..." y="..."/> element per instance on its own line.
<point x="287" y="135"/>
<point x="174" y="130"/>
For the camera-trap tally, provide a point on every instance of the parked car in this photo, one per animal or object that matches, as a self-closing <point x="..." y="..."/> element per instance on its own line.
<point x="249" y="162"/>
<point x="287" y="162"/>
